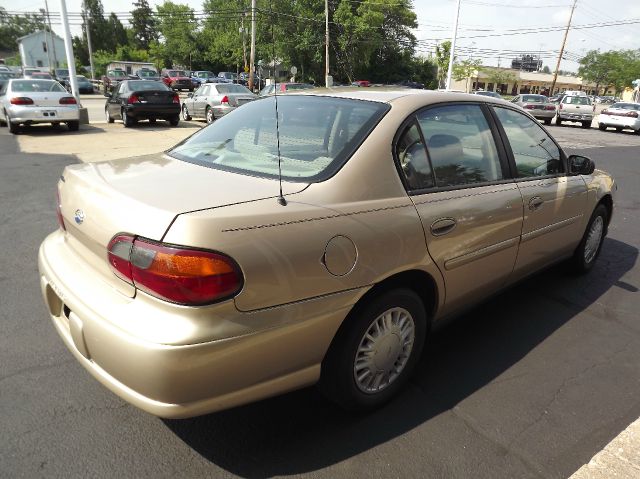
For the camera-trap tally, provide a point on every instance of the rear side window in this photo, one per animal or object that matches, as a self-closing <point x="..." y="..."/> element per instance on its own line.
<point x="412" y="155"/>
<point x="534" y="151"/>
<point x="460" y="145"/>
<point x="312" y="146"/>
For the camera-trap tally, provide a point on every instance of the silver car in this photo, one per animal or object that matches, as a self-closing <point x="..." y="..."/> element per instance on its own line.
<point x="620" y="116"/>
<point x="538" y="105"/>
<point x="214" y="100"/>
<point x="29" y="101"/>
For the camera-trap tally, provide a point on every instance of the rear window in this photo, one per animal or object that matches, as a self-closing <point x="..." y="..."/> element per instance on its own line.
<point x="627" y="106"/>
<point x="36" y="86"/>
<point x="177" y="73"/>
<point x="534" y="98"/>
<point x="232" y="88"/>
<point x="144" y="85"/>
<point x="312" y="147"/>
<point x="118" y="74"/>
<point x="577" y="100"/>
<point x="147" y="73"/>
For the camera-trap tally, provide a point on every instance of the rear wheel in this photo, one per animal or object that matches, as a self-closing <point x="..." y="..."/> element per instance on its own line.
<point x="602" y="127"/>
<point x="126" y="119"/>
<point x="375" y="351"/>
<point x="586" y="124"/>
<point x="558" y="121"/>
<point x="174" y="120"/>
<point x="618" y="129"/>
<point x="589" y="248"/>
<point x="547" y="121"/>
<point x="185" y="113"/>
<point x="209" y="115"/>
<point x="13" y="127"/>
<point x="152" y="121"/>
<point x="73" y="125"/>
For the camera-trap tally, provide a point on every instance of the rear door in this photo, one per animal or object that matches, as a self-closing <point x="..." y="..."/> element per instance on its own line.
<point x="471" y="211"/>
<point x="554" y="203"/>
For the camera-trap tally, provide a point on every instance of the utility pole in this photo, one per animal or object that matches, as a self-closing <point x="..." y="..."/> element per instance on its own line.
<point x="244" y="42"/>
<point x="327" y="79"/>
<point x="252" y="54"/>
<point x="564" y="40"/>
<point x="71" y="64"/>
<point x="453" y="46"/>
<point x="87" y="27"/>
<point x="50" y="36"/>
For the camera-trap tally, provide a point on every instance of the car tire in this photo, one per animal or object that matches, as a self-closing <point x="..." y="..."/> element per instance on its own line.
<point x="209" y="115"/>
<point x="126" y="119"/>
<point x="547" y="121"/>
<point x="152" y="121"/>
<point x="618" y="129"/>
<point x="185" y="113"/>
<point x="14" y="128"/>
<point x="174" y="120"/>
<point x="558" y="121"/>
<point x="589" y="248"/>
<point x="602" y="127"/>
<point x="73" y="125"/>
<point x="586" y="124"/>
<point x="108" y="116"/>
<point x="375" y="351"/>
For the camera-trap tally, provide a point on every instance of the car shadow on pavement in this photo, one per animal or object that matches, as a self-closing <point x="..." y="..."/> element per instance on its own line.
<point x="44" y="130"/>
<point x="301" y="432"/>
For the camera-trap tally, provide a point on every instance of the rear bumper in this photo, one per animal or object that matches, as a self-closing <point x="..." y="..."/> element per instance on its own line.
<point x="153" y="111"/>
<point x="220" y="110"/>
<point x="575" y="116"/>
<point x="176" y="361"/>
<point x="32" y="114"/>
<point x="619" y="122"/>
<point x="542" y="114"/>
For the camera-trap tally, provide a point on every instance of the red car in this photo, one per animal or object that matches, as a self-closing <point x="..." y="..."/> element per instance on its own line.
<point x="177" y="80"/>
<point x="364" y="83"/>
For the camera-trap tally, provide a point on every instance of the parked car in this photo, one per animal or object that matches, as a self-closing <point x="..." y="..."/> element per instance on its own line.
<point x="361" y="83"/>
<point x="575" y="108"/>
<point x="186" y="283"/>
<point x="205" y="76"/>
<point x="41" y="76"/>
<point x="147" y="74"/>
<point x="538" y="105"/>
<point x="284" y="88"/>
<point x="136" y="100"/>
<point x="31" y="101"/>
<point x="84" y="85"/>
<point x="213" y="101"/>
<point x="28" y="71"/>
<point x="61" y="74"/>
<point x="492" y="94"/>
<point x="243" y="79"/>
<point x="177" y="80"/>
<point x="555" y="99"/>
<point x="623" y="115"/>
<point x="111" y="80"/>
<point x="228" y="77"/>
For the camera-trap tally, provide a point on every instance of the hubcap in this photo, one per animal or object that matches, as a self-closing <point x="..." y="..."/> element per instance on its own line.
<point x="593" y="239"/>
<point x="185" y="112"/>
<point x="384" y="350"/>
<point x="209" y="116"/>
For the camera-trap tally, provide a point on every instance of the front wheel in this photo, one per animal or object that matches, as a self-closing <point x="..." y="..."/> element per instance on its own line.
<point x="209" y="115"/>
<point x="375" y="351"/>
<point x="108" y="116"/>
<point x="185" y="113"/>
<point x="589" y="248"/>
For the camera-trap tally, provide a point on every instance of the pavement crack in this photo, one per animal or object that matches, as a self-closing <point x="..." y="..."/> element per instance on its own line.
<point x="38" y="367"/>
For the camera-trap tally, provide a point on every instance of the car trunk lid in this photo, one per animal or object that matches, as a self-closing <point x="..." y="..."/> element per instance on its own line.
<point x="142" y="196"/>
<point x="154" y="96"/>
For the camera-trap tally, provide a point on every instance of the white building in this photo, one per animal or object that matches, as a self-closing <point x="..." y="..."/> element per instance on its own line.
<point x="42" y="49"/>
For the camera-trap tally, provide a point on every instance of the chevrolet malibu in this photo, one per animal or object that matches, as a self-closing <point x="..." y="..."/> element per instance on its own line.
<point x="315" y="243"/>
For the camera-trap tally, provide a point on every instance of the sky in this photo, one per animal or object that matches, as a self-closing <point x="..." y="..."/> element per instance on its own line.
<point x="493" y="31"/>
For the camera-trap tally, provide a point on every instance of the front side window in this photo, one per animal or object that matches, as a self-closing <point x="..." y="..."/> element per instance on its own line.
<point x="534" y="151"/>
<point x="311" y="147"/>
<point x="460" y="145"/>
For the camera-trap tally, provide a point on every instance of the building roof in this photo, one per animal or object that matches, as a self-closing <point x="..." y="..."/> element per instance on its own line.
<point x="38" y="33"/>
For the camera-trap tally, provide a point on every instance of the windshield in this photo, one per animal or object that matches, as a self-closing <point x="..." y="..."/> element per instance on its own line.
<point x="118" y="73"/>
<point x="312" y="147"/>
<point x="62" y="72"/>
<point x="534" y="98"/>
<point x="177" y="73"/>
<point x="147" y="73"/>
<point x="36" y="86"/>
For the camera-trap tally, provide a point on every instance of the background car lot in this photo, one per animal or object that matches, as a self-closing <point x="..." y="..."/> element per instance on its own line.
<point x="531" y="384"/>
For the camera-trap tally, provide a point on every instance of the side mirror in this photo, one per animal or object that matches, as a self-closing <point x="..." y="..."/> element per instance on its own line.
<point x="107" y="94"/>
<point x="581" y="165"/>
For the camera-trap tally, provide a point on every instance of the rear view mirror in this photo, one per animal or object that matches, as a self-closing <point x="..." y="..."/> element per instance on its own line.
<point x="581" y="165"/>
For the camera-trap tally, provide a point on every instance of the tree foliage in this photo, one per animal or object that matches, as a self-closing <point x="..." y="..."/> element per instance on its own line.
<point x="443" y="52"/>
<point x="178" y="27"/>
<point x="13" y="27"/>
<point x="465" y="69"/>
<point x="617" y="68"/>
<point x="499" y="77"/>
<point x="143" y="24"/>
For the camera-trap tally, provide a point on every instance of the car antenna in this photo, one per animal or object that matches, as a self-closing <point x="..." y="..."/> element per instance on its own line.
<point x="281" y="198"/>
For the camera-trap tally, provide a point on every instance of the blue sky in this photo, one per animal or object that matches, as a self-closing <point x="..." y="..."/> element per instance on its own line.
<point x="490" y="30"/>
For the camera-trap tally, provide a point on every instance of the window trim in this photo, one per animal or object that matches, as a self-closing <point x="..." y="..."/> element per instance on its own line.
<point x="495" y="134"/>
<point x="509" y="150"/>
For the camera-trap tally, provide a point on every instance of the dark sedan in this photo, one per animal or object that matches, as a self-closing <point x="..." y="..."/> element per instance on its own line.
<point x="84" y="85"/>
<point x="135" y="100"/>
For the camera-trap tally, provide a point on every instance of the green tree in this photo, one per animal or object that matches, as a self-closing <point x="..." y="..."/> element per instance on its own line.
<point x="499" y="77"/>
<point x="546" y="69"/>
<point x="617" y="68"/>
<point x="178" y="26"/>
<point x="143" y="24"/>
<point x="13" y="27"/>
<point x="101" y="35"/>
<point x="118" y="31"/>
<point x="465" y="69"/>
<point x="443" y="51"/>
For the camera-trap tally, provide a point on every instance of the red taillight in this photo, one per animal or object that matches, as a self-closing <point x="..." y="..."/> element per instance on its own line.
<point x="225" y="99"/>
<point x="550" y="107"/>
<point x="21" y="100"/>
<point x="633" y="114"/>
<point x="68" y="100"/>
<point x="529" y="107"/>
<point x="605" y="112"/>
<point x="133" y="99"/>
<point x="176" y="98"/>
<point x="176" y="274"/>
<point x="59" y="211"/>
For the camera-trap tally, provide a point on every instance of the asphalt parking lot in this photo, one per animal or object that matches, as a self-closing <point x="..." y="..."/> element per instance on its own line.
<point x="531" y="384"/>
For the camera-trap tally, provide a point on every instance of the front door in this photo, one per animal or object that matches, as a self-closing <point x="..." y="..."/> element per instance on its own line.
<point x="200" y="100"/>
<point x="554" y="203"/>
<point x="471" y="212"/>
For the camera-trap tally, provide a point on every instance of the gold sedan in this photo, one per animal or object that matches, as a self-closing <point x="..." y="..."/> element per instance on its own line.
<point x="309" y="238"/>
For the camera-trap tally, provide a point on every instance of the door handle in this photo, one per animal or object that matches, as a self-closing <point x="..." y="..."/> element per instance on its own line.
<point x="535" y="203"/>
<point x="442" y="226"/>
